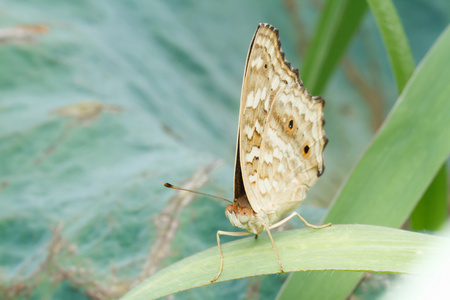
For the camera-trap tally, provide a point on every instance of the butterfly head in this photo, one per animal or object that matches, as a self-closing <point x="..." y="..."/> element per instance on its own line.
<point x="241" y="215"/>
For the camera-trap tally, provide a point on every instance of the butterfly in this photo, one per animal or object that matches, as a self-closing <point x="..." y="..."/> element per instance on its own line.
<point x="280" y="142"/>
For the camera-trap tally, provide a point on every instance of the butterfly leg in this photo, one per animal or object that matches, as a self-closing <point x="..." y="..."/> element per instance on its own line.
<point x="310" y="225"/>
<point x="301" y="218"/>
<point x="229" y="233"/>
<point x="274" y="247"/>
<point x="281" y="223"/>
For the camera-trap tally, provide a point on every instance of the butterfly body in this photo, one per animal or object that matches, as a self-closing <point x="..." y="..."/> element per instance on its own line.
<point x="242" y="215"/>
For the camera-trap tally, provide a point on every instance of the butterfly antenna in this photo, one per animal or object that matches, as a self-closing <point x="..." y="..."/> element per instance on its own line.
<point x="168" y="185"/>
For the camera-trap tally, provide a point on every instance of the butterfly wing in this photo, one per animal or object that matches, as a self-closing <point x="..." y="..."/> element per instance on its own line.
<point x="270" y="168"/>
<point x="291" y="159"/>
<point x="261" y="78"/>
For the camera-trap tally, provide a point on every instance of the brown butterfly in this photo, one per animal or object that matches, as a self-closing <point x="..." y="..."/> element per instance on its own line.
<point x="280" y="142"/>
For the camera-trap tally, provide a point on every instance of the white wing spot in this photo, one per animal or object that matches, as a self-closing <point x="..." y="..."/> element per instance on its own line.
<point x="261" y="186"/>
<point x="275" y="185"/>
<point x="315" y="131"/>
<point x="249" y="102"/>
<point x="281" y="168"/>
<point x="275" y="82"/>
<point x="267" y="185"/>
<point x="266" y="104"/>
<point x="264" y="93"/>
<point x="267" y="158"/>
<point x="249" y="157"/>
<point x="249" y="130"/>
<point x="258" y="127"/>
<point x="257" y="98"/>
<point x="277" y="153"/>
<point x="252" y="178"/>
<point x="258" y="62"/>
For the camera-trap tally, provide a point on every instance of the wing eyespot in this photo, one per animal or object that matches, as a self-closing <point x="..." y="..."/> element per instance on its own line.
<point x="290" y="126"/>
<point x="306" y="150"/>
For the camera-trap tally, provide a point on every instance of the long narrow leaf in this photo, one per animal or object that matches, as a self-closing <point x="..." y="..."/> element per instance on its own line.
<point x="431" y="212"/>
<point x="395" y="41"/>
<point x="340" y="247"/>
<point x="338" y="23"/>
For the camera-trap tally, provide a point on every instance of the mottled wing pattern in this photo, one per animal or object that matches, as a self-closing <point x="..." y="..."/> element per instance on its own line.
<point x="291" y="157"/>
<point x="274" y="171"/>
<point x="265" y="72"/>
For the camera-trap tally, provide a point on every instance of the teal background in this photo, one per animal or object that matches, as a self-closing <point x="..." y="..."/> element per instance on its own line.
<point x="82" y="201"/>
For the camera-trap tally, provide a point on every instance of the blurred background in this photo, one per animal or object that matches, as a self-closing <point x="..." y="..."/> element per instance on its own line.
<point x="101" y="102"/>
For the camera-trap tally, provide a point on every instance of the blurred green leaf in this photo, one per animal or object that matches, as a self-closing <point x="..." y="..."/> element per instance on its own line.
<point x="433" y="281"/>
<point x="337" y="25"/>
<point x="431" y="212"/>
<point x="395" y="41"/>
<point x="396" y="169"/>
<point x="339" y="247"/>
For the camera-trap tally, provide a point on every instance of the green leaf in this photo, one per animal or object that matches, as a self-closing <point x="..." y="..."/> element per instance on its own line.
<point x="337" y="25"/>
<point x="402" y="64"/>
<point x="395" y="41"/>
<point x="339" y="247"/>
<point x="398" y="166"/>
<point x="431" y="212"/>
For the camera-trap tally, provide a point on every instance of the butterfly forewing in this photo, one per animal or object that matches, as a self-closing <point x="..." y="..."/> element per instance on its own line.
<point x="263" y="77"/>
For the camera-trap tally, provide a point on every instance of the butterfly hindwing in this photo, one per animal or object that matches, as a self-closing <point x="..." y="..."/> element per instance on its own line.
<point x="292" y="150"/>
<point x="272" y="166"/>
